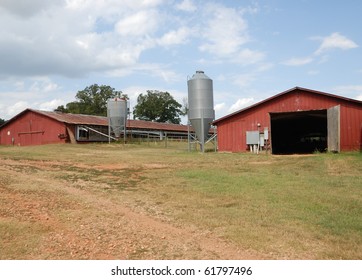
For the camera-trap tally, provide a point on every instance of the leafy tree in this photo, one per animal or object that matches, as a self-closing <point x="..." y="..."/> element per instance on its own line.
<point x="2" y="121"/>
<point x="157" y="106"/>
<point x="91" y="101"/>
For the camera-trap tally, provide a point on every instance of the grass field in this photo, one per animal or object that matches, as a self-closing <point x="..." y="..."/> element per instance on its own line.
<point x="274" y="207"/>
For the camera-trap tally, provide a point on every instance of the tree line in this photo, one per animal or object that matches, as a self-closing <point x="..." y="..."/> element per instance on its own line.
<point x="155" y="105"/>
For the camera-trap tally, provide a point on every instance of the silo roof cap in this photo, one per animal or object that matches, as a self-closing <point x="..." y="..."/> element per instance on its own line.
<point x="200" y="75"/>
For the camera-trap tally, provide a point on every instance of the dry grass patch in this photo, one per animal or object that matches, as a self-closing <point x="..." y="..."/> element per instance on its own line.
<point x="116" y="201"/>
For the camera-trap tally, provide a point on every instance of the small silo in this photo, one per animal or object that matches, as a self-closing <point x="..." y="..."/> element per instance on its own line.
<point x="117" y="115"/>
<point x="201" y="105"/>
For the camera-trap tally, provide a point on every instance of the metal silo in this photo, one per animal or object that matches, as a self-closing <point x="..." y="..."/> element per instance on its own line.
<point x="201" y="105"/>
<point x="117" y="116"/>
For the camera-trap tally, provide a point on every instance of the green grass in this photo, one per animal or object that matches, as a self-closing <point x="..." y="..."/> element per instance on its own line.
<point x="280" y="206"/>
<point x="273" y="202"/>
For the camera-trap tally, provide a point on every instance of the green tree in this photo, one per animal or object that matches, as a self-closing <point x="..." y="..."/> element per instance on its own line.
<point x="157" y="106"/>
<point x="2" y="121"/>
<point x="91" y="101"/>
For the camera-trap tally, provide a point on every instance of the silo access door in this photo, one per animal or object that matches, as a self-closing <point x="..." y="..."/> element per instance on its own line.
<point x="333" y="128"/>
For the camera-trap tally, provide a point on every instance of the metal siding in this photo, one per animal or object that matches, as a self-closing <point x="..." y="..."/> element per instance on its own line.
<point x="26" y="130"/>
<point x="297" y="100"/>
<point x="223" y="138"/>
<point x="351" y="125"/>
<point x="237" y="131"/>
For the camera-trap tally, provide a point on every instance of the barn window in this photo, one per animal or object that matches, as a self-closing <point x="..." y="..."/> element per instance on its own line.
<point x="83" y="133"/>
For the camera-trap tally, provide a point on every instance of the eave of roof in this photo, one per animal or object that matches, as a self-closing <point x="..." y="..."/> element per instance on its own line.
<point x="284" y="93"/>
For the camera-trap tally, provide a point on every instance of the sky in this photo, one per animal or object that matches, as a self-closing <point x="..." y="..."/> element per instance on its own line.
<point x="251" y="49"/>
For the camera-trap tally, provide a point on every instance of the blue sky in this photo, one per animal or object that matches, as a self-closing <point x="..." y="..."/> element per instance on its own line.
<point x="50" y="49"/>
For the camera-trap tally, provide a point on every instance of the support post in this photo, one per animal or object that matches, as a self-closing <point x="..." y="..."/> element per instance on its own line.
<point x="202" y="140"/>
<point x="109" y="131"/>
<point x="188" y="135"/>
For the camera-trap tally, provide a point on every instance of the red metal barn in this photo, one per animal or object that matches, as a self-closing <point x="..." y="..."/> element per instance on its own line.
<point x="32" y="128"/>
<point x="35" y="127"/>
<point x="298" y="120"/>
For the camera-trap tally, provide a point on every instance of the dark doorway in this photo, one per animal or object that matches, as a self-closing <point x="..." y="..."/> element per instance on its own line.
<point x="299" y="132"/>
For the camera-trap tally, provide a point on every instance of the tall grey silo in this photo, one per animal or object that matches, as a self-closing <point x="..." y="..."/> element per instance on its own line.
<point x="117" y="116"/>
<point x="201" y="105"/>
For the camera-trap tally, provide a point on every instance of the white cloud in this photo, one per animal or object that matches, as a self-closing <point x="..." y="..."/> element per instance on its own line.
<point x="335" y="41"/>
<point x="169" y="75"/>
<point x="225" y="31"/>
<point x="247" y="56"/>
<point x="51" y="105"/>
<point x="150" y="69"/>
<point x="43" y="85"/>
<point x="68" y="39"/>
<point x="240" y="104"/>
<point x="298" y="61"/>
<point x="133" y="92"/>
<point x="110" y="6"/>
<point x="25" y="8"/>
<point x="174" y="37"/>
<point x="16" y="108"/>
<point x="352" y="91"/>
<point x="138" y="24"/>
<point x="243" y="80"/>
<point x="220" y="107"/>
<point x="76" y="38"/>
<point x="113" y="58"/>
<point x="186" y="6"/>
<point x="33" y="48"/>
<point x="37" y="93"/>
<point x="225" y="34"/>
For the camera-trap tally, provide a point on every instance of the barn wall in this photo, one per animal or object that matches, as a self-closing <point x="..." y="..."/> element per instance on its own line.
<point x="32" y="129"/>
<point x="232" y="130"/>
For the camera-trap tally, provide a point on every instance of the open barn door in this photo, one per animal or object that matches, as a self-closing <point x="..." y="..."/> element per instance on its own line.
<point x="299" y="132"/>
<point x="333" y="128"/>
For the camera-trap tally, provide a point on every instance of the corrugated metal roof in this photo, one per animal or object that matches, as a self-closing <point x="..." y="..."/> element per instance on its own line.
<point x="74" y="118"/>
<point x="99" y="120"/>
<point x="287" y="92"/>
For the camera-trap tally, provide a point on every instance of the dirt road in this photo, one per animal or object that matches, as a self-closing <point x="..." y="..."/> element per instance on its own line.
<point x="47" y="216"/>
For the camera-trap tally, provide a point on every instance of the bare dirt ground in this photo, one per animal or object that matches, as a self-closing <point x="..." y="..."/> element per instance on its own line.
<point x="43" y="216"/>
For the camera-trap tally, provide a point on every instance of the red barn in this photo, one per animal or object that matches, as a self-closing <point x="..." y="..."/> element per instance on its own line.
<point x="35" y="127"/>
<point x="298" y="120"/>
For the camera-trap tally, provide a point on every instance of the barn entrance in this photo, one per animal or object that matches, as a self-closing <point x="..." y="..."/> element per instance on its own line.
<point x="299" y="132"/>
